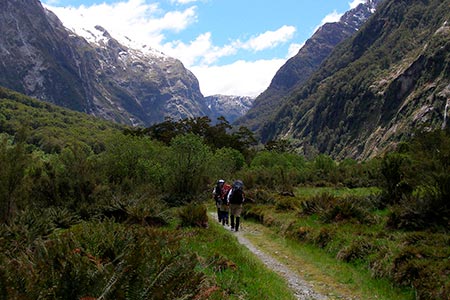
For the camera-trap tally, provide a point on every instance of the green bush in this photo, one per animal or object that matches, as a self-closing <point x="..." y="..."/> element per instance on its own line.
<point x="358" y="249"/>
<point x="287" y="203"/>
<point x="322" y="237"/>
<point x="318" y="204"/>
<point x="14" y="161"/>
<point x="187" y="167"/>
<point x="347" y="208"/>
<point x="194" y="215"/>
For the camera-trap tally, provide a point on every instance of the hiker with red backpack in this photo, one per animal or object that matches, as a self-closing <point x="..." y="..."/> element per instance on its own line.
<point x="225" y="205"/>
<point x="236" y="198"/>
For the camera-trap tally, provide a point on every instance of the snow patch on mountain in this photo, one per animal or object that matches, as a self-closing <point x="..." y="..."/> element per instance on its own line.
<point x="98" y="36"/>
<point x="230" y="107"/>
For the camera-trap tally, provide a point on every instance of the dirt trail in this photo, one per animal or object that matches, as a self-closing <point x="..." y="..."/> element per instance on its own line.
<point x="301" y="289"/>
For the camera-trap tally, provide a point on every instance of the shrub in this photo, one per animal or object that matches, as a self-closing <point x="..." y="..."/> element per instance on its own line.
<point x="358" y="249"/>
<point x="256" y="212"/>
<point x="287" y="203"/>
<point x="193" y="215"/>
<point x="418" y="212"/>
<point x="14" y="161"/>
<point x="396" y="170"/>
<point x="261" y="196"/>
<point x="187" y="167"/>
<point x="348" y="208"/>
<point x="318" y="204"/>
<point x="323" y="237"/>
<point x="302" y="233"/>
<point x="103" y="261"/>
<point x="225" y="163"/>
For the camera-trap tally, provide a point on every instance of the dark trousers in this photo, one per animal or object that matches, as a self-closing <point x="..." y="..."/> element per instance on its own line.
<point x="234" y="225"/>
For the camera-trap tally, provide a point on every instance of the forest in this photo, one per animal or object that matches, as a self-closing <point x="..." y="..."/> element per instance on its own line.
<point x="90" y="209"/>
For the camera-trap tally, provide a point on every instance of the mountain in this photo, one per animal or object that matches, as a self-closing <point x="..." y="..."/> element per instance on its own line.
<point x="300" y="67"/>
<point x="231" y="107"/>
<point x="41" y="58"/>
<point x="376" y="88"/>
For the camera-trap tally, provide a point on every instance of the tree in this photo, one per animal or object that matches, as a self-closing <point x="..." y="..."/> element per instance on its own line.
<point x="187" y="164"/>
<point x="14" y="160"/>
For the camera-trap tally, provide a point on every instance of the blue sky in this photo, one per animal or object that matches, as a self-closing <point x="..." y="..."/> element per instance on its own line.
<point x="234" y="47"/>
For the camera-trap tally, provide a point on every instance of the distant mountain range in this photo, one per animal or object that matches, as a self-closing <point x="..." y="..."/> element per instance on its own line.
<point x="230" y="107"/>
<point x="355" y="89"/>
<point x="375" y="88"/>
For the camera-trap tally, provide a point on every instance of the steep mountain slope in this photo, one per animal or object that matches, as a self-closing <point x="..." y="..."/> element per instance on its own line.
<point x="299" y="68"/>
<point x="390" y="79"/>
<point x="231" y="107"/>
<point x="41" y="58"/>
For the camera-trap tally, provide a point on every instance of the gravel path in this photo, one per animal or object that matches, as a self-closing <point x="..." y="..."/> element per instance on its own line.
<point x="302" y="290"/>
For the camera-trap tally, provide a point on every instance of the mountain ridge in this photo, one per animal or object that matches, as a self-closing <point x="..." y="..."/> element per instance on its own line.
<point x="300" y="67"/>
<point x="43" y="59"/>
<point x="376" y="88"/>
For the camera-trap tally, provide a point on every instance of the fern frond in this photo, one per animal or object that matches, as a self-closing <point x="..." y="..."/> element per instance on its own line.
<point x="115" y="278"/>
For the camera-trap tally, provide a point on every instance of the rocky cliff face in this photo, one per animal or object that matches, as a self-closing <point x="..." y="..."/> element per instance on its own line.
<point x="299" y="68"/>
<point x="391" y="78"/>
<point x="230" y="107"/>
<point x="41" y="58"/>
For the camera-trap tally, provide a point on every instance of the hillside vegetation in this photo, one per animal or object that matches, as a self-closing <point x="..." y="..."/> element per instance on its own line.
<point x="93" y="210"/>
<point x="376" y="88"/>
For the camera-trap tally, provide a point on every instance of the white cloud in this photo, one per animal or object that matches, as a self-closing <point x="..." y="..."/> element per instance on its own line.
<point x="331" y="18"/>
<point x="355" y="3"/>
<point x="270" y="39"/>
<point x="200" y="51"/>
<point x="147" y="23"/>
<point x="182" y="1"/>
<point x="242" y="78"/>
<point x="133" y="18"/>
<point x="293" y="49"/>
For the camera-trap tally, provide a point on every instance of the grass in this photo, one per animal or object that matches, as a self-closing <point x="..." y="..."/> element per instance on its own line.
<point x="234" y="271"/>
<point x="338" y="192"/>
<point x="330" y="277"/>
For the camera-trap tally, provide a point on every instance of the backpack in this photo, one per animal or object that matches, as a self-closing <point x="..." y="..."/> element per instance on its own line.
<point x="237" y="192"/>
<point x="224" y="195"/>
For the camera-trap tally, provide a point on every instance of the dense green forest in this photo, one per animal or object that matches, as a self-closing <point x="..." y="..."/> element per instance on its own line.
<point x="94" y="210"/>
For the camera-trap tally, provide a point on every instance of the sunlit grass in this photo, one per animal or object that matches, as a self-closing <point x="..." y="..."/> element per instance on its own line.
<point x="233" y="268"/>
<point x="330" y="276"/>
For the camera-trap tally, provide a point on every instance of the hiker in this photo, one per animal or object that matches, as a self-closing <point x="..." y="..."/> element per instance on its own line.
<point x="236" y="198"/>
<point x="217" y="194"/>
<point x="225" y="205"/>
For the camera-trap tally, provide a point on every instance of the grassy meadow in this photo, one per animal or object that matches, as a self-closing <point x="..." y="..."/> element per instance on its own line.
<point x="94" y="210"/>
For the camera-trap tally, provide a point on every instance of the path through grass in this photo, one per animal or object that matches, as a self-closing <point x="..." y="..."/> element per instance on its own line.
<point x="328" y="276"/>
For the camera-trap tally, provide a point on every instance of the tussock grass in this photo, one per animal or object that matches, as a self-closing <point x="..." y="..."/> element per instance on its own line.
<point x="330" y="276"/>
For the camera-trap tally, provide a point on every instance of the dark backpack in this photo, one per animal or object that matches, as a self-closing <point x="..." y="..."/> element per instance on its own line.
<point x="237" y="192"/>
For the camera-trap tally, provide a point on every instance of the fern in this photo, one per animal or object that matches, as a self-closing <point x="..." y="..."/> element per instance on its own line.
<point x="113" y="281"/>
